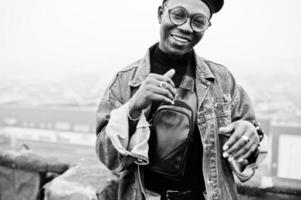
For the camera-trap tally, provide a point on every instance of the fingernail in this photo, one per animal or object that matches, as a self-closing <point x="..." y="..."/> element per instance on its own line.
<point x="225" y="147"/>
<point x="225" y="154"/>
<point x="230" y="159"/>
<point x="240" y="160"/>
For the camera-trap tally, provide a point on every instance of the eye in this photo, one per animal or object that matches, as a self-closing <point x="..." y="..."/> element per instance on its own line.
<point x="199" y="21"/>
<point x="178" y="14"/>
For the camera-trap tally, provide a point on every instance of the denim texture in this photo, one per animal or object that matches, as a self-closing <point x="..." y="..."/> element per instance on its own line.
<point x="220" y="101"/>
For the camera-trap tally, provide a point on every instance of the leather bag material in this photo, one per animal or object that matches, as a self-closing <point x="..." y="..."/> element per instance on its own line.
<point x="172" y="129"/>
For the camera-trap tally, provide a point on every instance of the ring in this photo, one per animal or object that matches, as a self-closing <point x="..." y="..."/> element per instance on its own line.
<point x="246" y="139"/>
<point x="163" y="84"/>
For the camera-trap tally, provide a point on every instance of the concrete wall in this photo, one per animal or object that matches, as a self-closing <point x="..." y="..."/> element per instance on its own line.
<point x="19" y="184"/>
<point x="25" y="176"/>
<point x="270" y="188"/>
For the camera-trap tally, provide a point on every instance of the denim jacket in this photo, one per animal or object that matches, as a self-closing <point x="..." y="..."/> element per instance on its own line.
<point x="220" y="102"/>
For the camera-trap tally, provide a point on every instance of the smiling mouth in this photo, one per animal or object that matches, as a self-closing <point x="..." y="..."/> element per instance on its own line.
<point x="180" y="39"/>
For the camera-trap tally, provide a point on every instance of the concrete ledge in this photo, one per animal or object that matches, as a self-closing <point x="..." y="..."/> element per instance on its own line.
<point x="84" y="181"/>
<point x="19" y="184"/>
<point x="28" y="161"/>
<point x="22" y="174"/>
<point x="271" y="188"/>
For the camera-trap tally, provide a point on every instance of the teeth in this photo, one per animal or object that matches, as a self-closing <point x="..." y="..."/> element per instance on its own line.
<point x="180" y="39"/>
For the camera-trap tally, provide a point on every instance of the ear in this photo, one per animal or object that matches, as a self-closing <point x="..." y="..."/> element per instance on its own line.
<point x="160" y="14"/>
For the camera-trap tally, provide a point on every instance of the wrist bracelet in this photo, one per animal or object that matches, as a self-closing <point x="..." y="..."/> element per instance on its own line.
<point x="128" y="113"/>
<point x="259" y="130"/>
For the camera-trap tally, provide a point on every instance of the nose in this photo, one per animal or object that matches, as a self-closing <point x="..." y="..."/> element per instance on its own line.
<point x="186" y="27"/>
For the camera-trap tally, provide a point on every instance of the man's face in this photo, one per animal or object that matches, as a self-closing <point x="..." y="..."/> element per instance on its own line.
<point x="176" y="40"/>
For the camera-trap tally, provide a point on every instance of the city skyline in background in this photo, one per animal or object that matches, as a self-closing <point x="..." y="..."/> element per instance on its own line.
<point x="55" y="37"/>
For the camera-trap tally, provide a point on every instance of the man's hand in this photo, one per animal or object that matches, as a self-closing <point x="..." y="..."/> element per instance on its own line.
<point x="242" y="142"/>
<point x="154" y="88"/>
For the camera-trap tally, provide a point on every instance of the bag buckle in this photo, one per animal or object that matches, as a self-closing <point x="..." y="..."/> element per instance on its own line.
<point x="178" y="195"/>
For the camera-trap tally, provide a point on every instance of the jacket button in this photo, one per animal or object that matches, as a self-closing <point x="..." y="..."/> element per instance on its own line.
<point x="207" y="147"/>
<point x="201" y="119"/>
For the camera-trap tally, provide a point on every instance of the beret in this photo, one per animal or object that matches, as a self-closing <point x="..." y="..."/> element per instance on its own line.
<point x="214" y="5"/>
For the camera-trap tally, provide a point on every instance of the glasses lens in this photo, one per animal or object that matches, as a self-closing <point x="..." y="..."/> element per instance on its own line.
<point x="178" y="16"/>
<point x="200" y="23"/>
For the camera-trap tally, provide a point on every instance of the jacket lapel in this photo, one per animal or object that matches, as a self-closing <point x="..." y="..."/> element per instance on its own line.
<point x="204" y="78"/>
<point x="143" y="69"/>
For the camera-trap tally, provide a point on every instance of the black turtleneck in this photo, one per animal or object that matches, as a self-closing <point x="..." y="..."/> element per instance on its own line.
<point x="161" y="62"/>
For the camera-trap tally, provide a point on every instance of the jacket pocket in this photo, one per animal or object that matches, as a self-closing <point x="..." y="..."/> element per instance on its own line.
<point x="222" y="110"/>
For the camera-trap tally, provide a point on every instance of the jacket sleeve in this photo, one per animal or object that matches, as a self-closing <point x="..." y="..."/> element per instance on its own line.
<point x="114" y="145"/>
<point x="242" y="109"/>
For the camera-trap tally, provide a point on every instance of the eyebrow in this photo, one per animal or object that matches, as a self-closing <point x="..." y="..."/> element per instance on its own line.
<point x="210" y="11"/>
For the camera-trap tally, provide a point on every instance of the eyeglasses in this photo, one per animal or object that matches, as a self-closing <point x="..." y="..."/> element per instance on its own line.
<point x="179" y="16"/>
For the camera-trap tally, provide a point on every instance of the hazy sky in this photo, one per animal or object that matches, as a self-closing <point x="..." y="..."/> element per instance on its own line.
<point x="107" y="35"/>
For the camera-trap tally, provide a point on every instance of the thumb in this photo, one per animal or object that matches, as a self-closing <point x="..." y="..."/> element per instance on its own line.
<point x="227" y="129"/>
<point x="170" y="73"/>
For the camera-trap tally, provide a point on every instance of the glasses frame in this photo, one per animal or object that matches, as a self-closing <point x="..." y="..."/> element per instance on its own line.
<point x="191" y="17"/>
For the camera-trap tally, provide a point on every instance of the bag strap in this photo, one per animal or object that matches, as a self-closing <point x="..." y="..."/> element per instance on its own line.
<point x="188" y="80"/>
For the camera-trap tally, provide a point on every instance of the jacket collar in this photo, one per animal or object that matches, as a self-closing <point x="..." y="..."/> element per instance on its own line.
<point x="203" y="71"/>
<point x="143" y="70"/>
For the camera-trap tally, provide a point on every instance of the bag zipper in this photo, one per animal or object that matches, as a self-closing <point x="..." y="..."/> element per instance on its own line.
<point x="180" y="104"/>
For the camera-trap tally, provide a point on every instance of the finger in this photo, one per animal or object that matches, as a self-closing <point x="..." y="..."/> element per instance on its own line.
<point x="237" y="146"/>
<point x="153" y="84"/>
<point x="227" y="131"/>
<point x="243" y="150"/>
<point x="163" y="91"/>
<point x="244" y="162"/>
<point x="249" y="139"/>
<point x="170" y="73"/>
<point x="235" y="136"/>
<point x="240" y="143"/>
<point x="163" y="78"/>
<point x="246" y="155"/>
<point x="168" y="87"/>
<point x="161" y="98"/>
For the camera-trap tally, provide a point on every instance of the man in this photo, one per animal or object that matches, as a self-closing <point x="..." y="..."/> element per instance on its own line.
<point x="225" y="138"/>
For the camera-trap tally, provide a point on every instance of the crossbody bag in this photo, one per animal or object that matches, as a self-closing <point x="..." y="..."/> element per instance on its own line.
<point x="172" y="129"/>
